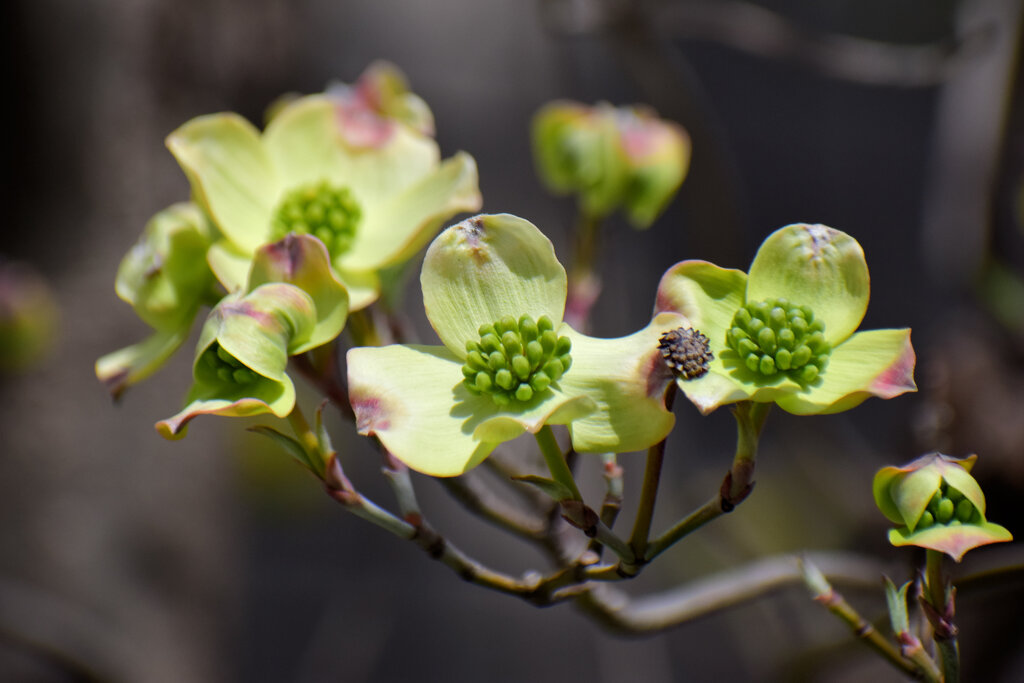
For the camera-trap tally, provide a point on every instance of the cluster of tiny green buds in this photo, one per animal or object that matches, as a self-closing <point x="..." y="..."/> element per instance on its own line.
<point x="228" y="368"/>
<point x="686" y="352"/>
<point x="329" y="213"/>
<point x="775" y="336"/>
<point x="514" y="361"/>
<point x="949" y="507"/>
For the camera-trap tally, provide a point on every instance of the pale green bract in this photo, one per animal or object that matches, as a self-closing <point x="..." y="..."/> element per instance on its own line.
<point x="480" y="271"/>
<point x="810" y="266"/>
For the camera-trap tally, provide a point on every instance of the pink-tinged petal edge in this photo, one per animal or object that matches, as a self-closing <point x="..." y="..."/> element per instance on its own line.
<point x="174" y="427"/>
<point x="287" y="255"/>
<point x="954" y="540"/>
<point x="371" y="414"/>
<point x="898" y="378"/>
<point x="362" y="128"/>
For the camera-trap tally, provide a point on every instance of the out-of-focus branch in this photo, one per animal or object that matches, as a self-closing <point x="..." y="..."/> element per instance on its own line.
<point x="618" y="612"/>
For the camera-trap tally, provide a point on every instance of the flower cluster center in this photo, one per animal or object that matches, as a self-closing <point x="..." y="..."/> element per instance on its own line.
<point x="686" y="352"/>
<point x="515" y="360"/>
<point x="329" y="213"/>
<point x="228" y="368"/>
<point x="948" y="507"/>
<point x="774" y="336"/>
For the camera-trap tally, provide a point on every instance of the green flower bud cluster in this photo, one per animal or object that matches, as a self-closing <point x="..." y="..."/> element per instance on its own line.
<point x="948" y="507"/>
<point x="228" y="368"/>
<point x="775" y="336"/>
<point x="329" y="213"/>
<point x="513" y="361"/>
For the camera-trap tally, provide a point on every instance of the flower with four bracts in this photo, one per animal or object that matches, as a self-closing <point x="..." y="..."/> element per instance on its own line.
<point x="611" y="157"/>
<point x="374" y="198"/>
<point x="495" y="294"/>
<point x="785" y="332"/>
<point x="294" y="303"/>
<point x="938" y="505"/>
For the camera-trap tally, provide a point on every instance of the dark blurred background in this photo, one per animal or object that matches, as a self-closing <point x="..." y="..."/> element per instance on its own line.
<point x="127" y="558"/>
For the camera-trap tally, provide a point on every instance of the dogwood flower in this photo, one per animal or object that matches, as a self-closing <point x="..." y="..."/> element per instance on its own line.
<point x="373" y="199"/>
<point x="786" y="331"/>
<point x="495" y="294"/>
<point x="610" y="157"/>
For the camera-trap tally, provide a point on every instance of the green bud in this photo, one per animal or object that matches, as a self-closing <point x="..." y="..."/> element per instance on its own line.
<point x="521" y="366"/>
<point x="945" y="510"/>
<point x="226" y="367"/>
<point x="807" y="374"/>
<point x="524" y="392"/>
<point x="503" y="378"/>
<point x="964" y="510"/>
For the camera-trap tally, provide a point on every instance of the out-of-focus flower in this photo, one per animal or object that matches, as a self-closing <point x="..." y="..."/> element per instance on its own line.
<point x="937" y="504"/>
<point x="379" y="98"/>
<point x="495" y="294"/>
<point x="383" y="91"/>
<point x="786" y="332"/>
<point x="611" y="157"/>
<point x="28" y="317"/>
<point x="373" y="197"/>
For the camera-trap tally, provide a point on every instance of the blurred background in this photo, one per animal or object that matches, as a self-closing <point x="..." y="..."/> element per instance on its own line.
<point x="127" y="558"/>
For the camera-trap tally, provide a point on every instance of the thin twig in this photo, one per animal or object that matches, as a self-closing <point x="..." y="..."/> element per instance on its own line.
<point x="736" y="486"/>
<point x="480" y="500"/>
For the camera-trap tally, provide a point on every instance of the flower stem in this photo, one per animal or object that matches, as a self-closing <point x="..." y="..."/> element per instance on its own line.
<point x="306" y="436"/>
<point x="736" y="486"/>
<point x="584" y="282"/>
<point x="555" y="460"/>
<point x="940" y="599"/>
<point x="649" y="493"/>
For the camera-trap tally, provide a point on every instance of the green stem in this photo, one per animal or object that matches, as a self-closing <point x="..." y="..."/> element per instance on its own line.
<point x="940" y="600"/>
<point x="306" y="436"/>
<point x="609" y="539"/>
<point x="824" y="594"/>
<point x="738" y="482"/>
<point x="649" y="493"/>
<point x="584" y="282"/>
<point x="555" y="460"/>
